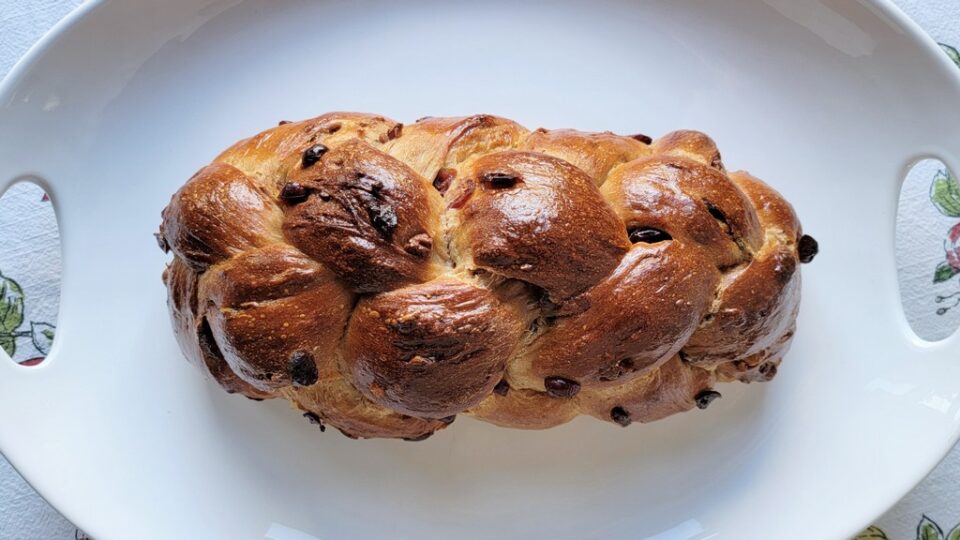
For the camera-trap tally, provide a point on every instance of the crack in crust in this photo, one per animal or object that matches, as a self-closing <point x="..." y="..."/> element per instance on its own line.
<point x="384" y="277"/>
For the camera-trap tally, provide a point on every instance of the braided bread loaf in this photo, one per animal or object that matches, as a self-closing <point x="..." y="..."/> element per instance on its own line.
<point x="385" y="278"/>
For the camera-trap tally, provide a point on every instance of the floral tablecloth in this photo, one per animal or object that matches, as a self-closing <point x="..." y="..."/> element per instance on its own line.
<point x="928" y="240"/>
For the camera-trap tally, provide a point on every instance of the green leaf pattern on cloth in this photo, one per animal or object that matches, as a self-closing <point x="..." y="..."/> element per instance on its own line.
<point x="928" y="530"/>
<point x="945" y="194"/>
<point x="11" y="313"/>
<point x="944" y="272"/>
<point x="8" y="344"/>
<point x="952" y="52"/>
<point x="872" y="533"/>
<point x="41" y="334"/>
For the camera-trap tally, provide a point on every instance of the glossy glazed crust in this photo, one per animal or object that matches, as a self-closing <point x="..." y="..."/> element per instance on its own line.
<point x="551" y="228"/>
<point x="384" y="277"/>
<point x="372" y="220"/>
<point x="433" y="349"/>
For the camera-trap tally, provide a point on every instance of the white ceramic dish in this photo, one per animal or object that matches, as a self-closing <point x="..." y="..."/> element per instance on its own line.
<point x="828" y="100"/>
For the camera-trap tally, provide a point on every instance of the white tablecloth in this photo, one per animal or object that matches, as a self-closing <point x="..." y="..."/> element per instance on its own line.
<point x="928" y="237"/>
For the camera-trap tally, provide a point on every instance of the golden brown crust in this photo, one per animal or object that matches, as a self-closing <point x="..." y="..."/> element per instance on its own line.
<point x="749" y="327"/>
<point x="692" y="145"/>
<point x="384" y="277"/>
<point x="266" y="306"/>
<point x="663" y="392"/>
<point x="435" y="143"/>
<point x="431" y="350"/>
<point x="194" y="334"/>
<point x="336" y="402"/>
<point x="525" y="409"/>
<point x="219" y="213"/>
<point x="690" y="201"/>
<point x="367" y="216"/>
<point x="270" y="155"/>
<point x="593" y="153"/>
<point x="635" y="319"/>
<point x="535" y="218"/>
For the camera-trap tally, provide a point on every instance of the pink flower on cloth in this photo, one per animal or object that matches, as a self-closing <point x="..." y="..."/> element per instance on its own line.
<point x="945" y="195"/>
<point x="952" y="247"/>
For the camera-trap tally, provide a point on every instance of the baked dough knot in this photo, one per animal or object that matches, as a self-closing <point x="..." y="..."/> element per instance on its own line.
<point x="385" y="278"/>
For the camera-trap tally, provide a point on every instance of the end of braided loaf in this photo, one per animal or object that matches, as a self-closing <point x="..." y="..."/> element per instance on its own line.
<point x="384" y="278"/>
